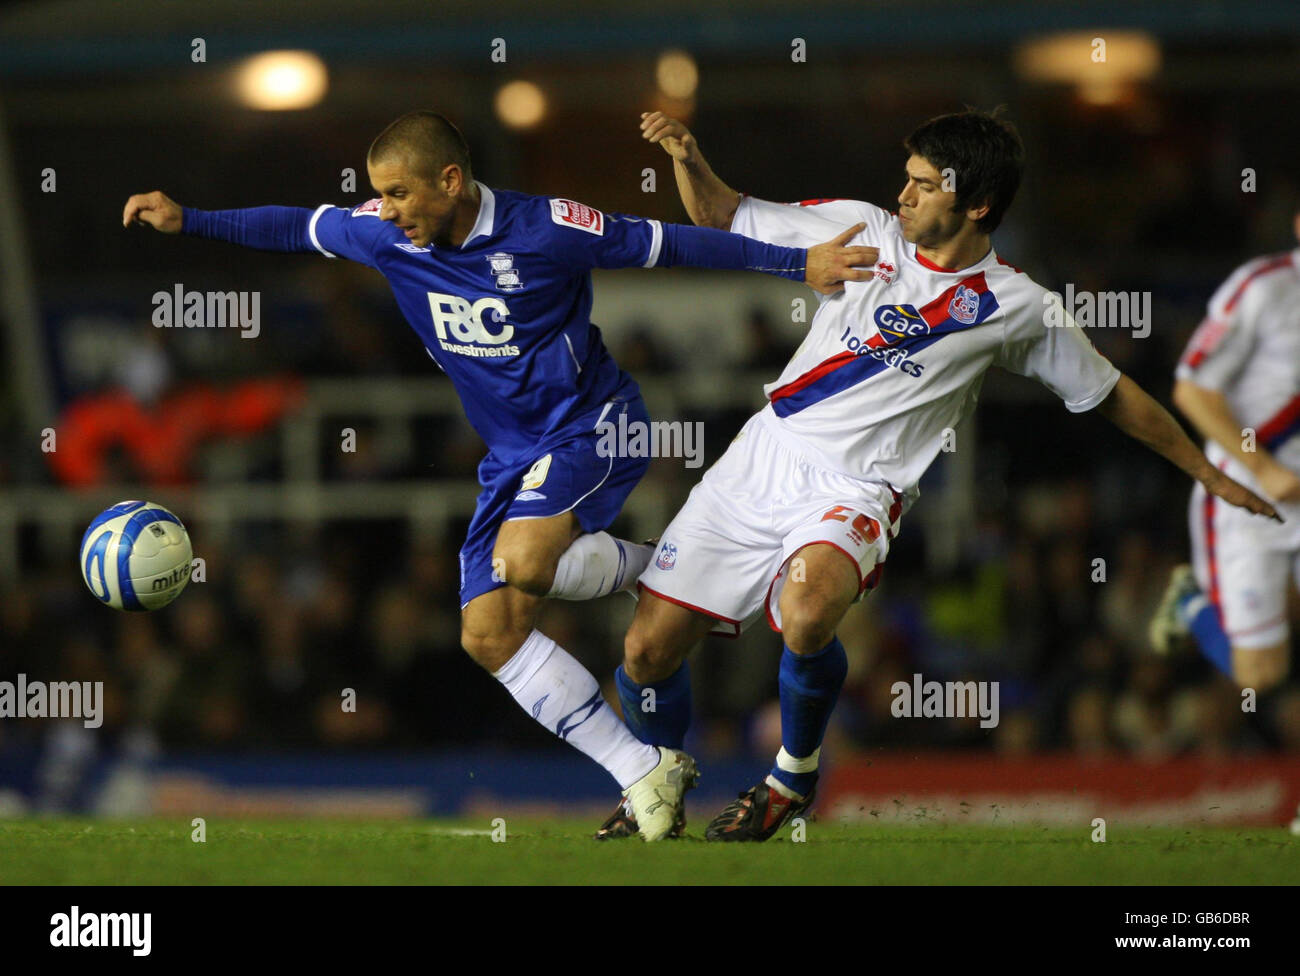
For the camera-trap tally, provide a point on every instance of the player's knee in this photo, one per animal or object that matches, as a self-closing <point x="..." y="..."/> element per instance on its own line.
<point x="807" y="624"/>
<point x="646" y="659"/>
<point x="525" y="570"/>
<point x="1261" y="669"/>
<point x="490" y="649"/>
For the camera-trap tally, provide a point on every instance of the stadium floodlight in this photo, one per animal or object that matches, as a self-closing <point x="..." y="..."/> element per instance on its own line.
<point x="1103" y="65"/>
<point x="676" y="75"/>
<point x="280" y="80"/>
<point x="520" y="104"/>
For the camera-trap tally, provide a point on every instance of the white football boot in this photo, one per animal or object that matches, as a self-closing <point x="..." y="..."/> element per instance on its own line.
<point x="1167" y="629"/>
<point x="658" y="797"/>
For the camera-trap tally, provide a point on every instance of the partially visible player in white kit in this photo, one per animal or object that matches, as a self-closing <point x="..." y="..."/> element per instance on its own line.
<point x="796" y="519"/>
<point x="1238" y="382"/>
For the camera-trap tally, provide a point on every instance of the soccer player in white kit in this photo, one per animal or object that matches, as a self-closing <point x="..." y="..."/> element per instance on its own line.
<point x="796" y="519"/>
<point x="1238" y="382"/>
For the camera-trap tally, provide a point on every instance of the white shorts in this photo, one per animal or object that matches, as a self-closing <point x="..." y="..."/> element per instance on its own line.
<point x="725" y="554"/>
<point x="1245" y="562"/>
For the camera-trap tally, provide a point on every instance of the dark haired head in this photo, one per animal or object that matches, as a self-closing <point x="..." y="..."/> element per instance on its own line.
<point x="984" y="153"/>
<point x="427" y="141"/>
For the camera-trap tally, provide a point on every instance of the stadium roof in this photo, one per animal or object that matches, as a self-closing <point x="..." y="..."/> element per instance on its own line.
<point x="85" y="37"/>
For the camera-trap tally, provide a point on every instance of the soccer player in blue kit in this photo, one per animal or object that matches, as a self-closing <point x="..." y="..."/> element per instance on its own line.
<point x="497" y="285"/>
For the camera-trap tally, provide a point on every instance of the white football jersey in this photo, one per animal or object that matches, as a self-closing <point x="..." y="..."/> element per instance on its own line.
<point x="890" y="363"/>
<point x="1248" y="349"/>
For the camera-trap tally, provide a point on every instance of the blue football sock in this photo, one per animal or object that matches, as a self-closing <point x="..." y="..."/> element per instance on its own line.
<point x="810" y="684"/>
<point x="1206" y="624"/>
<point x="661" y="718"/>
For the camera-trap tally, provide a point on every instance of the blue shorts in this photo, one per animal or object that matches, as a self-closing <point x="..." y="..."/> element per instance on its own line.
<point x="566" y="474"/>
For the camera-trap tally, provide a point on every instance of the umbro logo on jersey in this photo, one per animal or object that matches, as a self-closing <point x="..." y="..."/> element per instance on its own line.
<point x="411" y="248"/>
<point x="530" y="496"/>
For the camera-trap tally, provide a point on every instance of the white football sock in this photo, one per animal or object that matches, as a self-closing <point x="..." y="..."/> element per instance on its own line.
<point x="597" y="564"/>
<point x="560" y="693"/>
<point x="791" y="764"/>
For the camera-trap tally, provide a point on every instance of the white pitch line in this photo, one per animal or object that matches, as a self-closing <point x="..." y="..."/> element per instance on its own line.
<point x="459" y="832"/>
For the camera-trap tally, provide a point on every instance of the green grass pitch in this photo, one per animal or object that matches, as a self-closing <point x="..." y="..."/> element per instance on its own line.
<point x="540" y="852"/>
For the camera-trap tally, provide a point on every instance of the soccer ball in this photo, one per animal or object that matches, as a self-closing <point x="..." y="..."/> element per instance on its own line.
<point x="136" y="556"/>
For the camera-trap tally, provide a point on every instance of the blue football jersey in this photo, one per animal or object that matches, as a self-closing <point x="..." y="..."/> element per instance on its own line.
<point x="506" y="315"/>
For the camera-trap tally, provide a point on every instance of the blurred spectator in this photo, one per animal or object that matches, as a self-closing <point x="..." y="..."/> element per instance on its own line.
<point x="643" y="353"/>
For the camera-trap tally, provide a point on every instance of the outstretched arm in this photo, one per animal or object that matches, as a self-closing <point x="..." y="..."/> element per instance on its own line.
<point x="708" y="201"/>
<point x="265" y="228"/>
<point x="824" y="268"/>
<point x="1133" y="411"/>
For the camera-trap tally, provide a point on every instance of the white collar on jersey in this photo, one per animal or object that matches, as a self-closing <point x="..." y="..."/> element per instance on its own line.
<point x="487" y="212"/>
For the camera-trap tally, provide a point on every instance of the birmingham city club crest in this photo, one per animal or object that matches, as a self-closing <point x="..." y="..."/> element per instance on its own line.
<point x="503" y="269"/>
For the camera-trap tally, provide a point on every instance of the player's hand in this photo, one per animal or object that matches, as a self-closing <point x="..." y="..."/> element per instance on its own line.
<point x="155" y="209"/>
<point x="675" y="138"/>
<point x="1280" y="483"/>
<point x="1218" y="483"/>
<point x="831" y="264"/>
